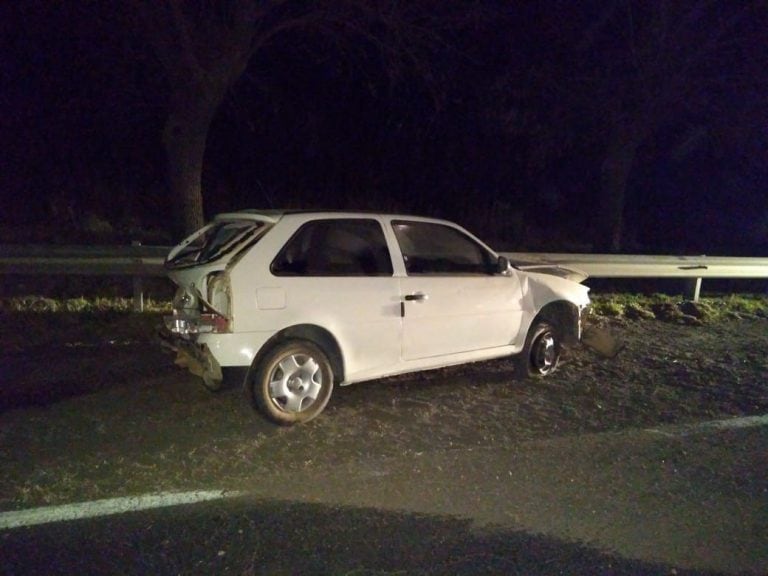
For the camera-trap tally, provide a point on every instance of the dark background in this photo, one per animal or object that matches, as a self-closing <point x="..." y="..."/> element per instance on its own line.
<point x="507" y="117"/>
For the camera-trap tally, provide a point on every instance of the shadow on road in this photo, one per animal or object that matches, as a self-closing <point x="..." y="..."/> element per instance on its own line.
<point x="277" y="538"/>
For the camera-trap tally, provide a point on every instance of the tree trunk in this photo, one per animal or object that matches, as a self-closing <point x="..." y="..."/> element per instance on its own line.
<point x="184" y="138"/>
<point x="614" y="175"/>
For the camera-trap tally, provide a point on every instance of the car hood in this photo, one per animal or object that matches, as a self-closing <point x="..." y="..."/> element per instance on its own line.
<point x="566" y="272"/>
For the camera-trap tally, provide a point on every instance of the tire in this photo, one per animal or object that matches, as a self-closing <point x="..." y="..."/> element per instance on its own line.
<point x="541" y="354"/>
<point x="292" y="383"/>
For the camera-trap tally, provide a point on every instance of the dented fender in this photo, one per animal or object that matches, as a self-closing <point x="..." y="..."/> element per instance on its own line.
<point x="563" y="299"/>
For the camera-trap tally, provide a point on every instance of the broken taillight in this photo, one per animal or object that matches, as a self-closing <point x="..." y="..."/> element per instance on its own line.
<point x="183" y="322"/>
<point x="218" y="324"/>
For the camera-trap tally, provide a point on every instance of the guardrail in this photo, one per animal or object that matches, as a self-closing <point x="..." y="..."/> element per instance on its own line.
<point x="135" y="260"/>
<point x="145" y="261"/>
<point x="693" y="268"/>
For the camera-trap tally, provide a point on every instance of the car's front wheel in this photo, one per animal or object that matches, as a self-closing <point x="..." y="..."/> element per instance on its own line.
<point x="541" y="353"/>
<point x="292" y="383"/>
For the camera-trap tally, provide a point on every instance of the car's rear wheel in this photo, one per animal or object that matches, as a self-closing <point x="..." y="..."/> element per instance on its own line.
<point x="292" y="383"/>
<point x="541" y="354"/>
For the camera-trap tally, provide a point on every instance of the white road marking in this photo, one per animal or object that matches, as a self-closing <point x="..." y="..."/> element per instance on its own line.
<point x="107" y="507"/>
<point x="702" y="427"/>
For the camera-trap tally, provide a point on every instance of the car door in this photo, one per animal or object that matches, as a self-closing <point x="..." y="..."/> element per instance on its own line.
<point x="453" y="299"/>
<point x="337" y="273"/>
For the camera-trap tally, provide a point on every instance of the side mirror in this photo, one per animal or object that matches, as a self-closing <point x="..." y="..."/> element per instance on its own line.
<point x="502" y="265"/>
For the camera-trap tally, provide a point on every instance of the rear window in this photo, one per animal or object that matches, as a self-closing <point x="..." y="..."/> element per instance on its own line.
<point x="216" y="241"/>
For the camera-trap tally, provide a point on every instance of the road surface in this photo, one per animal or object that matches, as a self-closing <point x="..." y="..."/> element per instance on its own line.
<point x="668" y="500"/>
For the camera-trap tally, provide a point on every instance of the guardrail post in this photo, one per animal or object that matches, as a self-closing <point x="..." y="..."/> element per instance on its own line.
<point x="138" y="288"/>
<point x="693" y="289"/>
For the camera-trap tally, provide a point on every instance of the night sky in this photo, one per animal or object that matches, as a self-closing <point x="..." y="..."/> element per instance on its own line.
<point x="511" y="118"/>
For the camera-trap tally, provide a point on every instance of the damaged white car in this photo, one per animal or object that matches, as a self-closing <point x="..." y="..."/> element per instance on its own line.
<point x="309" y="300"/>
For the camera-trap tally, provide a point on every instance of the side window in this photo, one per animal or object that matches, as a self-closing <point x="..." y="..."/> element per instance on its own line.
<point x="437" y="249"/>
<point x="335" y="247"/>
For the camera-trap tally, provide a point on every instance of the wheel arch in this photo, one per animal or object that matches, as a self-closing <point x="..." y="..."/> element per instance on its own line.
<point x="564" y="316"/>
<point x="311" y="333"/>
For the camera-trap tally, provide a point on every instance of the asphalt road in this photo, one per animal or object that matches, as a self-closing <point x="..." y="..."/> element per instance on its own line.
<point x="690" y="500"/>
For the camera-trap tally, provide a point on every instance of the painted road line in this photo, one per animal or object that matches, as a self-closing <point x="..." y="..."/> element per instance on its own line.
<point x="714" y="425"/>
<point x="107" y="507"/>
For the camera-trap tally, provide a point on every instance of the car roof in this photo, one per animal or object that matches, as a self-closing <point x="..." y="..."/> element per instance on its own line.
<point x="274" y="216"/>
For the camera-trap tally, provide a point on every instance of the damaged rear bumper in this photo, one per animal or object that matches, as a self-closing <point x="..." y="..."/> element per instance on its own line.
<point x="196" y="358"/>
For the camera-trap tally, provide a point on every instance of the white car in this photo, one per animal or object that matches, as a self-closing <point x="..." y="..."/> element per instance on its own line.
<point x="309" y="300"/>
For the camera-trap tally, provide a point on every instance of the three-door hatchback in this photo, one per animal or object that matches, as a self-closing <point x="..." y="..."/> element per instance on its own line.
<point x="307" y="300"/>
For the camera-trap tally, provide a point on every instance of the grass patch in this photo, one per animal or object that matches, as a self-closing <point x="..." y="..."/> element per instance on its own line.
<point x="754" y="305"/>
<point x="673" y="309"/>
<point x="97" y="305"/>
<point x="29" y="321"/>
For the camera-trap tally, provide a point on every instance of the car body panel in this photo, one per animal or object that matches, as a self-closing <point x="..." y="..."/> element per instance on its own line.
<point x="489" y="308"/>
<point x="377" y="330"/>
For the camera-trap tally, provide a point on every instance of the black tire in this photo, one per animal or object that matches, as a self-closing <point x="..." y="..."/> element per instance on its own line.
<point x="541" y="354"/>
<point x="292" y="383"/>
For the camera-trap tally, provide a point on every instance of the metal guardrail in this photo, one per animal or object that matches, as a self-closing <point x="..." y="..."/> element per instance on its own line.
<point x="694" y="268"/>
<point x="86" y="260"/>
<point x="135" y="260"/>
<point x="145" y="261"/>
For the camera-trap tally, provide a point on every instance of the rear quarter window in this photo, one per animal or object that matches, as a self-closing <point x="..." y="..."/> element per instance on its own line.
<point x="335" y="247"/>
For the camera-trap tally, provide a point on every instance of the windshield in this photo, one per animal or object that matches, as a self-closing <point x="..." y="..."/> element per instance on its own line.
<point x="217" y="240"/>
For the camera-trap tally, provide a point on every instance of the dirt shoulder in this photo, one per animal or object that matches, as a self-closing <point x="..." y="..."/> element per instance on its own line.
<point x="116" y="419"/>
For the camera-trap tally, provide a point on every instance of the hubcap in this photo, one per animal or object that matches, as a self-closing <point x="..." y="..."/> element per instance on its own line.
<point x="295" y="382"/>
<point x="544" y="353"/>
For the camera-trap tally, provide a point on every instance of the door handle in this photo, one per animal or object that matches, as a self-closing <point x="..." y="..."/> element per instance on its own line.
<point x="416" y="297"/>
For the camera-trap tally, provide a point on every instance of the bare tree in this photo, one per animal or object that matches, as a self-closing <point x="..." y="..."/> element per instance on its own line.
<point x="674" y="58"/>
<point x="205" y="47"/>
<point x="614" y="73"/>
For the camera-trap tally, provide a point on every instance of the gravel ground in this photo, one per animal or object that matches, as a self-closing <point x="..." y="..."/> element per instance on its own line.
<point x="93" y="419"/>
<point x="99" y="413"/>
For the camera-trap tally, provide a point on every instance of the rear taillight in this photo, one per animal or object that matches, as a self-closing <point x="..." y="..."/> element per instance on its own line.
<point x="189" y="323"/>
<point x="217" y="324"/>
